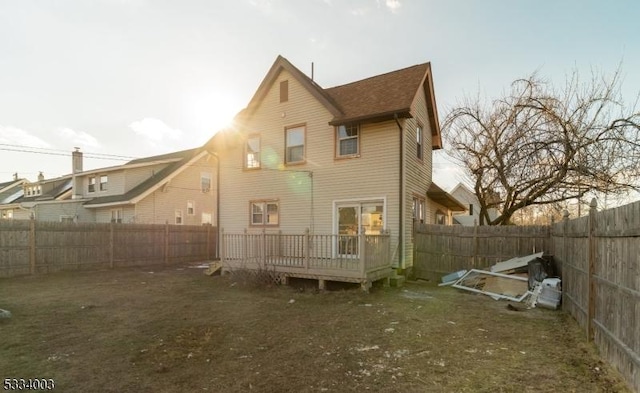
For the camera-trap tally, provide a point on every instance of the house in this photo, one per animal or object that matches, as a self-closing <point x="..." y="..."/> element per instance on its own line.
<point x="10" y="192"/>
<point x="350" y="160"/>
<point x="471" y="215"/>
<point x="177" y="188"/>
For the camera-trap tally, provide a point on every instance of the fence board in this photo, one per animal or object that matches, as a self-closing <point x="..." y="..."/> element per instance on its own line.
<point x="63" y="246"/>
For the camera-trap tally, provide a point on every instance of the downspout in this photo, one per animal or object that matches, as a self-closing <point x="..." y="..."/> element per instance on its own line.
<point x="218" y="204"/>
<point x="400" y="195"/>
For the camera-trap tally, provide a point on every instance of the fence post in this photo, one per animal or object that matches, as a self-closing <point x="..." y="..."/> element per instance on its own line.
<point x="363" y="255"/>
<point x="592" y="269"/>
<point x="32" y="246"/>
<point x="245" y="249"/>
<point x="208" y="242"/>
<point x="166" y="242"/>
<point x="306" y="248"/>
<point x="223" y="250"/>
<point x="263" y="249"/>
<point x="111" y="245"/>
<point x="475" y="243"/>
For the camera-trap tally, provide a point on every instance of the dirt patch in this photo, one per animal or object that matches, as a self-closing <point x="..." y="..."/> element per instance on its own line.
<point x="175" y="329"/>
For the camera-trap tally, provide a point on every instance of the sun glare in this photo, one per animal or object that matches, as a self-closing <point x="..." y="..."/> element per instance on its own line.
<point x="213" y="111"/>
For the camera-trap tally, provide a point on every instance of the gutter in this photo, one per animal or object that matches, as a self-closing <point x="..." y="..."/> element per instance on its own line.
<point x="400" y="195"/>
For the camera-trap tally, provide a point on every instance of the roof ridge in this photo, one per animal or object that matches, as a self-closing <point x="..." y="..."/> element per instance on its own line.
<point x="379" y="75"/>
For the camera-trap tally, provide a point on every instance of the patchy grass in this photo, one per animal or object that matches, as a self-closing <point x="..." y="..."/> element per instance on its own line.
<point x="175" y="329"/>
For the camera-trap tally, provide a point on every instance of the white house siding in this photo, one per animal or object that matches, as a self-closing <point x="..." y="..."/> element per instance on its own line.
<point x="54" y="210"/>
<point x="374" y="175"/>
<point x="160" y="206"/>
<point x="115" y="184"/>
<point x="418" y="173"/>
<point x="135" y="176"/>
<point x="103" y="214"/>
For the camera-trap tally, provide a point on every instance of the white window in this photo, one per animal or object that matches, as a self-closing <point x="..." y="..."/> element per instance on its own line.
<point x="295" y="145"/>
<point x="178" y="217"/>
<point x="92" y="184"/>
<point x="7" y="214"/>
<point x="347" y="140"/>
<point x="103" y="182"/>
<point x="191" y="210"/>
<point x="206" y="219"/>
<point x="419" y="142"/>
<point x="264" y="213"/>
<point x="116" y="216"/>
<point x="418" y="210"/>
<point x="252" y="153"/>
<point x="441" y="218"/>
<point x="205" y="181"/>
<point x="66" y="219"/>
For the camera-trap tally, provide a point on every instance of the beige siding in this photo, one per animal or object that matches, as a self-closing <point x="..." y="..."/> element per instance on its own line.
<point x="418" y="173"/>
<point x="103" y="214"/>
<point x="307" y="201"/>
<point x="135" y="176"/>
<point x="160" y="206"/>
<point x="115" y="184"/>
<point x="54" y="210"/>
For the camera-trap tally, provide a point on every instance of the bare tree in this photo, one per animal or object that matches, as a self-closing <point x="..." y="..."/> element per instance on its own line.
<point x="538" y="145"/>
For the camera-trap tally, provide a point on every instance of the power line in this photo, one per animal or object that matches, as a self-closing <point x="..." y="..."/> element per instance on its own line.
<point x="97" y="156"/>
<point x="46" y="149"/>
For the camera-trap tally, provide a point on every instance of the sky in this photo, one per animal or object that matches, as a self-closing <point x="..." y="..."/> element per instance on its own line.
<point x="135" y="78"/>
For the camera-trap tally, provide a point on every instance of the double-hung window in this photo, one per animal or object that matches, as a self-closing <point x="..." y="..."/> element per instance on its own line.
<point x="418" y="210"/>
<point x="347" y="140"/>
<point x="294" y="140"/>
<point x="92" y="184"/>
<point x="178" y="217"/>
<point x="116" y="216"/>
<point x="264" y="213"/>
<point x="191" y="208"/>
<point x="252" y="152"/>
<point x="419" y="142"/>
<point x="205" y="182"/>
<point x="103" y="182"/>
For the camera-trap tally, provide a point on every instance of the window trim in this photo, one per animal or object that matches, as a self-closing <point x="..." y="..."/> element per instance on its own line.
<point x="303" y="127"/>
<point x="264" y="203"/>
<point x="421" y="202"/>
<point x="420" y="142"/>
<point x="245" y="163"/>
<point x="177" y="214"/>
<point x="337" y="141"/>
<point x="103" y="184"/>
<point x="206" y="175"/>
<point x="192" y="207"/>
<point x="66" y="218"/>
<point x="91" y="187"/>
<point x="119" y="216"/>
<point x="444" y="217"/>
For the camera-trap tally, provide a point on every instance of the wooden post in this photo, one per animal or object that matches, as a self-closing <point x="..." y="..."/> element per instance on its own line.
<point x="306" y="248"/>
<point x="245" y="251"/>
<point x="32" y="246"/>
<point x="263" y="249"/>
<point x="592" y="270"/>
<point x="475" y="243"/>
<point x="362" y="253"/>
<point x="166" y="242"/>
<point x="111" y="245"/>
<point x="222" y="247"/>
<point x="208" y="242"/>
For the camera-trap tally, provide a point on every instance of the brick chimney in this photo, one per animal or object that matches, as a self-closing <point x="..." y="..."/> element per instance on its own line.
<point x="76" y="168"/>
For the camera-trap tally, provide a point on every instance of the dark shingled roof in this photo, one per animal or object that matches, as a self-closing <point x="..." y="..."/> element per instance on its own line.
<point x="151" y="181"/>
<point x="381" y="95"/>
<point x="177" y="154"/>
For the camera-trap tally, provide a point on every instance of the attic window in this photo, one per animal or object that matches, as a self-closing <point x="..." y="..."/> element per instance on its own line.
<point x="347" y="137"/>
<point x="419" y="142"/>
<point x="284" y="91"/>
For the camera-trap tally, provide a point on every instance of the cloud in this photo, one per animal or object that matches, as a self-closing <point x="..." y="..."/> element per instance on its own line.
<point x="155" y="130"/>
<point x="80" y="138"/>
<point x="263" y="5"/>
<point x="393" y="5"/>
<point x="15" y="136"/>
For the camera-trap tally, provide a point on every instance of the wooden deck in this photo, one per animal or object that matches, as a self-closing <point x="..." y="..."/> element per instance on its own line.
<point x="360" y="259"/>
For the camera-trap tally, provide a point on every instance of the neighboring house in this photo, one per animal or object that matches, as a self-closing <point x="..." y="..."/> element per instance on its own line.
<point x="10" y="192"/>
<point x="351" y="159"/>
<point x="471" y="216"/>
<point x="176" y="188"/>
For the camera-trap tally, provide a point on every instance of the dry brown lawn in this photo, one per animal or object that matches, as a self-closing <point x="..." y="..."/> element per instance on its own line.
<point x="177" y="330"/>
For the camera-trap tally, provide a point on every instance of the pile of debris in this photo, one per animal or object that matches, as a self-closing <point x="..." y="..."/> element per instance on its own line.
<point x="529" y="279"/>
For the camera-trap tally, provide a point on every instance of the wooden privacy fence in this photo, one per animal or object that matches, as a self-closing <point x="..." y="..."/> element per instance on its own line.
<point x="443" y="249"/>
<point x="31" y="247"/>
<point x="598" y="257"/>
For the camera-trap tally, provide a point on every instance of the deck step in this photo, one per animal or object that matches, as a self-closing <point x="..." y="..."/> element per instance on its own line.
<point x="396" y="281"/>
<point x="213" y="268"/>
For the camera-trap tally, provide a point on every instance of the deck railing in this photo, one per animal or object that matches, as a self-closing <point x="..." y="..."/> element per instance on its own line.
<point x="354" y="253"/>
